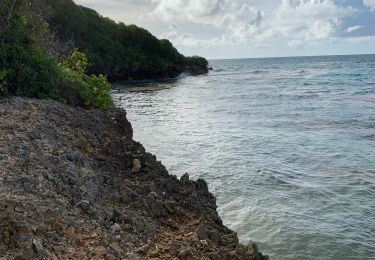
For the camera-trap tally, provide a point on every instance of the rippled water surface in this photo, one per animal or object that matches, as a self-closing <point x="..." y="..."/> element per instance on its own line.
<point x="287" y="146"/>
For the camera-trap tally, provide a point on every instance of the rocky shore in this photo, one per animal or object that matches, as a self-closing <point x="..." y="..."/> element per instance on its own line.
<point x="169" y="73"/>
<point x="75" y="185"/>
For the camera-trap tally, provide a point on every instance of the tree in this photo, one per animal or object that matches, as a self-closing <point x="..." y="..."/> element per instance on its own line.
<point x="30" y="66"/>
<point x="115" y="49"/>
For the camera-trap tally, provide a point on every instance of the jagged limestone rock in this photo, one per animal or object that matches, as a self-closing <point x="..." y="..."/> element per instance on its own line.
<point x="68" y="191"/>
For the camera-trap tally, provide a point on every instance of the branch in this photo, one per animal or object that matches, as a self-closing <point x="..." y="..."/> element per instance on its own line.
<point x="11" y="11"/>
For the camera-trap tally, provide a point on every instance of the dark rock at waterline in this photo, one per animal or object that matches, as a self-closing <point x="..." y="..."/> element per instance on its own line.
<point x="196" y="70"/>
<point x="75" y="185"/>
<point x="172" y="71"/>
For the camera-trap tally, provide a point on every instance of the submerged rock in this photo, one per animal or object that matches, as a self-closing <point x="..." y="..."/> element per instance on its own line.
<point x="68" y="191"/>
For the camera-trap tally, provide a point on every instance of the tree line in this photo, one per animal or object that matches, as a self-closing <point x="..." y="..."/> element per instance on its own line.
<point x="57" y="49"/>
<point x="115" y="49"/>
<point x="34" y="63"/>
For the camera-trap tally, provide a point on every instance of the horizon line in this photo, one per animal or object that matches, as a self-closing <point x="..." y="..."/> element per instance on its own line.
<point x="297" y="56"/>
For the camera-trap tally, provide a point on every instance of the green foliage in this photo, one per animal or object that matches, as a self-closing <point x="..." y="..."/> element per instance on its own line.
<point x="30" y="62"/>
<point x="3" y="74"/>
<point x="93" y="90"/>
<point x="196" y="61"/>
<point x="115" y="49"/>
<point x="98" y="91"/>
<point x="28" y="68"/>
<point x="77" y="61"/>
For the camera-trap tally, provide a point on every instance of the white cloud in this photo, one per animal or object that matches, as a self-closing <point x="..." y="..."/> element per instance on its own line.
<point x="297" y="44"/>
<point x="253" y="26"/>
<point x="309" y="20"/>
<point x="172" y="32"/>
<point x="294" y="21"/>
<point x="353" y="28"/>
<point x="362" y="39"/>
<point x="370" y="3"/>
<point x="237" y="20"/>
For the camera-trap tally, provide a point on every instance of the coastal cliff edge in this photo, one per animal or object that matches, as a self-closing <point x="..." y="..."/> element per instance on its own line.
<point x="75" y="185"/>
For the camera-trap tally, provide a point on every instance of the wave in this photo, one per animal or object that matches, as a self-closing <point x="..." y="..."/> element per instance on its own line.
<point x="259" y="71"/>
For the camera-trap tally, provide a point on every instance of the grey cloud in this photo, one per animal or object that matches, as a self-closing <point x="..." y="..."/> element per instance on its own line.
<point x="245" y="24"/>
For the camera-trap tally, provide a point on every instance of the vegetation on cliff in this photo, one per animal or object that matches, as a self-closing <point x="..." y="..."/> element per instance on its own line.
<point x="115" y="49"/>
<point x="32" y="63"/>
<point x="43" y="48"/>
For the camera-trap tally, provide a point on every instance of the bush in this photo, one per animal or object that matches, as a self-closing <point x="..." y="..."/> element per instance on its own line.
<point x="196" y="61"/>
<point x="92" y="90"/>
<point x="3" y="74"/>
<point x="98" y="88"/>
<point x="27" y="69"/>
<point x="76" y="61"/>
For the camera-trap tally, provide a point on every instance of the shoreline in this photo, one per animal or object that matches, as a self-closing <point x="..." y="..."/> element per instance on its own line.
<point x="75" y="184"/>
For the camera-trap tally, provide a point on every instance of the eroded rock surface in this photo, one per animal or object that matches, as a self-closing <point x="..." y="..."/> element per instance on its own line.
<point x="74" y="185"/>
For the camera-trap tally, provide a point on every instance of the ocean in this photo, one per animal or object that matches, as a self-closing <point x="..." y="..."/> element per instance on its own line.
<point x="287" y="145"/>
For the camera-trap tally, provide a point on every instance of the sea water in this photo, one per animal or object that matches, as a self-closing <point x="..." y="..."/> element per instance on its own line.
<point x="287" y="145"/>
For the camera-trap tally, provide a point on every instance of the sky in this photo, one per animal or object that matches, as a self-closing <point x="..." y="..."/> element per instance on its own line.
<point x="219" y="29"/>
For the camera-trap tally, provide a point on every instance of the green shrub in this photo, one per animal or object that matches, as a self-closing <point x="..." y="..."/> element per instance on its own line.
<point x="3" y="74"/>
<point x="76" y="61"/>
<point x="99" y="91"/>
<point x="93" y="90"/>
<point x="28" y="69"/>
<point x="196" y="61"/>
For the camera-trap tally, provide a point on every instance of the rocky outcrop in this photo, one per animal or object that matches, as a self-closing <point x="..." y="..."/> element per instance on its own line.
<point x="195" y="70"/>
<point x="170" y="72"/>
<point x="75" y="185"/>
